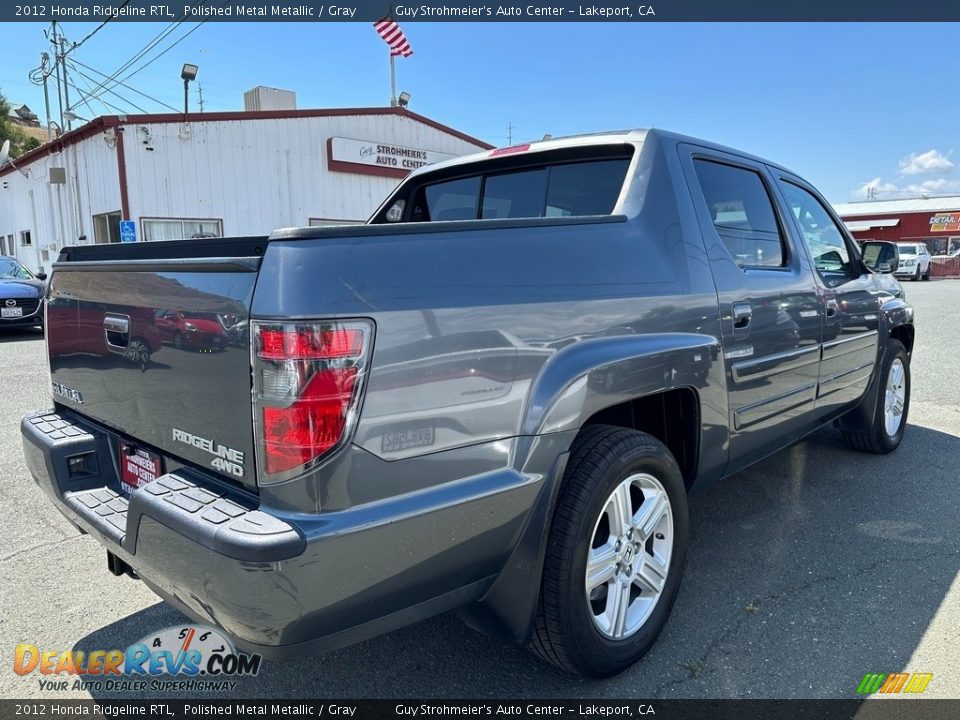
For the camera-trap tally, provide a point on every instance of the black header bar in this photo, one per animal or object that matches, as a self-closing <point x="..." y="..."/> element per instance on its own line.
<point x="483" y="11"/>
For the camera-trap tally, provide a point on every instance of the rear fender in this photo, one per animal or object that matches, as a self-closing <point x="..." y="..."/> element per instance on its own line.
<point x="576" y="383"/>
<point x="591" y="375"/>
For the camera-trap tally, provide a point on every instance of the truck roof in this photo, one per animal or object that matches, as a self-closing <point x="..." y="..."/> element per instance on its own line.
<point x="611" y="137"/>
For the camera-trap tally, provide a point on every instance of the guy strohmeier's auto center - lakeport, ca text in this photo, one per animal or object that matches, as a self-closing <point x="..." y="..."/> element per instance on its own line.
<point x="328" y="12"/>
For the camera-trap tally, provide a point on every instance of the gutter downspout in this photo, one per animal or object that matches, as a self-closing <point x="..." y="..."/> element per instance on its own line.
<point x="122" y="173"/>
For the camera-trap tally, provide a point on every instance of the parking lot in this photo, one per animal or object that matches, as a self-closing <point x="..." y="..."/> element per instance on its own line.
<point x="805" y="572"/>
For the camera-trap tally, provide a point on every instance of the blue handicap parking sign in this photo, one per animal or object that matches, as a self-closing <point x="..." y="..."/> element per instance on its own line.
<point x="128" y="231"/>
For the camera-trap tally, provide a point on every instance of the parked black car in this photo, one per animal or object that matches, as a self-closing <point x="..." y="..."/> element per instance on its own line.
<point x="21" y="295"/>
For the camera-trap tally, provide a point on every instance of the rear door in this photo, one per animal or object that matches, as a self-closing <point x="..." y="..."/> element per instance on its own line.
<point x="769" y="306"/>
<point x="850" y="318"/>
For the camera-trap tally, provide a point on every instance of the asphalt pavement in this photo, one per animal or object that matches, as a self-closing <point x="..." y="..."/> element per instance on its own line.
<point x="805" y="572"/>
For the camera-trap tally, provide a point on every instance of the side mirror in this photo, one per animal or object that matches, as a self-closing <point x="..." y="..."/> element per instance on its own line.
<point x="41" y="276"/>
<point x="880" y="256"/>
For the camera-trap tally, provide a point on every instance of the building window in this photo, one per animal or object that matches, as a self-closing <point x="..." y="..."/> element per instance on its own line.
<point x="180" y="228"/>
<point x="106" y="228"/>
<point x="10" y="247"/>
<point x="25" y="239"/>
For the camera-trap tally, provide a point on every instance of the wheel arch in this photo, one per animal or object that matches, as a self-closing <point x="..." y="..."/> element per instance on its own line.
<point x="508" y="609"/>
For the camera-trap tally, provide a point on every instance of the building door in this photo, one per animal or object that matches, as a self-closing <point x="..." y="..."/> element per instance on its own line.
<point x="769" y="307"/>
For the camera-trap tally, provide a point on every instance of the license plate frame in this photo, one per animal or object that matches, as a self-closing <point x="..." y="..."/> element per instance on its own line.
<point x="11" y="312"/>
<point x="138" y="466"/>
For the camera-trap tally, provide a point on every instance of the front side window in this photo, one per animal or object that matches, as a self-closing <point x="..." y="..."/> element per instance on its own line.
<point x="820" y="233"/>
<point x="742" y="214"/>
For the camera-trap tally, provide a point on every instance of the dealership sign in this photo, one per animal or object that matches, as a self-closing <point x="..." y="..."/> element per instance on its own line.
<point x="945" y="222"/>
<point x="379" y="158"/>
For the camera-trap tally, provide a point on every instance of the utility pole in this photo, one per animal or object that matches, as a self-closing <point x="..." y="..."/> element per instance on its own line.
<point x="66" y="81"/>
<point x="56" y="65"/>
<point x="200" y="90"/>
<point x="44" y="59"/>
<point x="509" y="133"/>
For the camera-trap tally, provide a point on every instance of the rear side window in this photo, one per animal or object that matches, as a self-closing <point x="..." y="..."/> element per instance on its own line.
<point x="742" y="214"/>
<point x="454" y="200"/>
<point x="564" y="190"/>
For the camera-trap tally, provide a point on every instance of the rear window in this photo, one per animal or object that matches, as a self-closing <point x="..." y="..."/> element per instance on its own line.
<point x="567" y="189"/>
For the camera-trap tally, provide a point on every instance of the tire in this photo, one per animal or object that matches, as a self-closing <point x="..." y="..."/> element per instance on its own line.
<point x="576" y="627"/>
<point x="926" y="275"/>
<point x="878" y="439"/>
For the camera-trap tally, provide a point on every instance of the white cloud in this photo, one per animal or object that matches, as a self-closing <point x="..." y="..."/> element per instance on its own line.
<point x="931" y="161"/>
<point x="936" y="185"/>
<point x="876" y="186"/>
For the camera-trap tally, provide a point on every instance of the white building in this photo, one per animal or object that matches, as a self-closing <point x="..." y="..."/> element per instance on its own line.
<point x="212" y="174"/>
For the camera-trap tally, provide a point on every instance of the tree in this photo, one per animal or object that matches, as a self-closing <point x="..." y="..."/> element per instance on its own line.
<point x="20" y="142"/>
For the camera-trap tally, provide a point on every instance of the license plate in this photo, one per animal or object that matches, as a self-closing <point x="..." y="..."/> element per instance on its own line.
<point x="11" y="312"/>
<point x="411" y="437"/>
<point x="138" y="466"/>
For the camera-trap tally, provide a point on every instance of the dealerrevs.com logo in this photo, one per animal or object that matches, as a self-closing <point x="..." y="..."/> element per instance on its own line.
<point x="186" y="658"/>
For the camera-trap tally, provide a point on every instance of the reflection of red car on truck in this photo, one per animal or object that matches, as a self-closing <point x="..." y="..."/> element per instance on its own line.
<point x="191" y="330"/>
<point x="98" y="331"/>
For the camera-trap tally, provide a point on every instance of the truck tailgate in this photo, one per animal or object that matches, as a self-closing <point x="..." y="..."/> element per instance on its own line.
<point x="155" y="345"/>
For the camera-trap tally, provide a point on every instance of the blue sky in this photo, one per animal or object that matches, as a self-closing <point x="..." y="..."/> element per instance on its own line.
<point x="841" y="104"/>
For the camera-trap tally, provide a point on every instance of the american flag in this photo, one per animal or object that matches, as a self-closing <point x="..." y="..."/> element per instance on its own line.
<point x="390" y="31"/>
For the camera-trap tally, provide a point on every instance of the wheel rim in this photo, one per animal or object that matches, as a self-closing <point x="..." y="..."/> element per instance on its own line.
<point x="895" y="397"/>
<point x="629" y="556"/>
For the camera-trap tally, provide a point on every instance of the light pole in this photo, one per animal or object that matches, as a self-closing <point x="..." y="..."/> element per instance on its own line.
<point x="188" y="74"/>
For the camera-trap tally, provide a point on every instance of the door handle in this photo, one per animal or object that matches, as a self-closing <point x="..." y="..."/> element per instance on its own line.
<point x="742" y="316"/>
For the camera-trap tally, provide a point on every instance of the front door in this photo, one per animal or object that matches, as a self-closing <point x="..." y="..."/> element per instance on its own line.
<point x="850" y="301"/>
<point x="769" y="306"/>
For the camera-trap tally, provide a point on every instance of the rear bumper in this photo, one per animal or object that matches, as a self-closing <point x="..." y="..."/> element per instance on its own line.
<point x="279" y="584"/>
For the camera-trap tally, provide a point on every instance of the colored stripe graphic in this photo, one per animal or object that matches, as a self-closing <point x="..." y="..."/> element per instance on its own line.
<point x="871" y="683"/>
<point x="918" y="682"/>
<point x="891" y="683"/>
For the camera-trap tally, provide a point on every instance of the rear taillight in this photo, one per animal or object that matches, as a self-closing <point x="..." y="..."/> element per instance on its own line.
<point x="308" y="381"/>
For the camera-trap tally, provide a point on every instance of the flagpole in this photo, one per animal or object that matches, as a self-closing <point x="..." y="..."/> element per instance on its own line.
<point x="393" y="80"/>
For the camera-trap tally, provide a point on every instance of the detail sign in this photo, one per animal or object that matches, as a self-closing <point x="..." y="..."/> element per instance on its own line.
<point x="380" y="155"/>
<point x="945" y="222"/>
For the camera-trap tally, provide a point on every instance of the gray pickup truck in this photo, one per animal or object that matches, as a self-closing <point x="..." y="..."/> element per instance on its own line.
<point x="495" y="396"/>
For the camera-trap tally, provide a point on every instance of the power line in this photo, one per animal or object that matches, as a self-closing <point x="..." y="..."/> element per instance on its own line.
<point x="97" y="29"/>
<point x="111" y="92"/>
<point x="143" y="51"/>
<point x="84" y="95"/>
<point x="74" y="61"/>
<point x="165" y="51"/>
